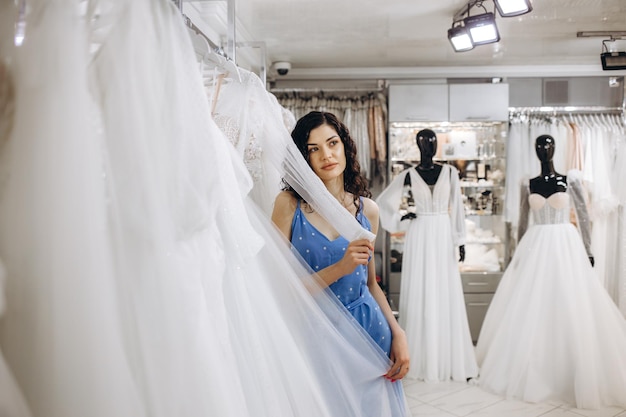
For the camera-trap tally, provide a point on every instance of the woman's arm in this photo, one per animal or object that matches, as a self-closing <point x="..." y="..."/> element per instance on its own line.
<point x="399" y="346"/>
<point x="357" y="253"/>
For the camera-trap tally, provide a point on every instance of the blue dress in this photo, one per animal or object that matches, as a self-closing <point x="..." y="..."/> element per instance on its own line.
<point x="319" y="252"/>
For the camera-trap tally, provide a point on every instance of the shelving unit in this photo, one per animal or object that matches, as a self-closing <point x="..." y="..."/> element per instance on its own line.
<point x="477" y="150"/>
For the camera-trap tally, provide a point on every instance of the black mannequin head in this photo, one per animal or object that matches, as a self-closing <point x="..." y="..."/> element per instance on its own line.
<point x="544" y="146"/>
<point x="427" y="143"/>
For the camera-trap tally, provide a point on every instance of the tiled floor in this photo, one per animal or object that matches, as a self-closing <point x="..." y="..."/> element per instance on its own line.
<point x="454" y="399"/>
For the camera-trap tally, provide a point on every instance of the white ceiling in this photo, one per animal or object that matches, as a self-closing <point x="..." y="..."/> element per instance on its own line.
<point x="405" y="38"/>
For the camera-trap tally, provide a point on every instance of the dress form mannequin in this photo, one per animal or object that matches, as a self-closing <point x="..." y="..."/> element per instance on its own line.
<point x="432" y="306"/>
<point x="426" y="141"/>
<point x="429" y="170"/>
<point x="549" y="299"/>
<point x="550" y="181"/>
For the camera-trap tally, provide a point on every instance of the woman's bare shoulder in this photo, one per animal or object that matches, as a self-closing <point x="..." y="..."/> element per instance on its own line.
<point x="284" y="208"/>
<point x="286" y="200"/>
<point x="370" y="208"/>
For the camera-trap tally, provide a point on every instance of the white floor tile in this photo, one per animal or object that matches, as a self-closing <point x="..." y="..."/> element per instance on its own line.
<point x="560" y="412"/>
<point x="465" y="402"/>
<point x="413" y="401"/>
<point x="513" y="408"/>
<point x="456" y="399"/>
<point x="603" y="412"/>
<point x="427" y="392"/>
<point x="425" y="410"/>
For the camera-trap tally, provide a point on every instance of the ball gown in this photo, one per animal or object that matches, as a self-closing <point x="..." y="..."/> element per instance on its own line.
<point x="552" y="332"/>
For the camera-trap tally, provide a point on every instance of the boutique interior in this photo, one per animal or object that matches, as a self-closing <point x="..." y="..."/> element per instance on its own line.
<point x="487" y="81"/>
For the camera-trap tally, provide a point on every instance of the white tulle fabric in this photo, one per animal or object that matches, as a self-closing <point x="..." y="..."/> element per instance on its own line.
<point x="552" y="332"/>
<point x="257" y="117"/>
<point x="60" y="332"/>
<point x="619" y="173"/>
<point x="142" y="280"/>
<point x="12" y="402"/>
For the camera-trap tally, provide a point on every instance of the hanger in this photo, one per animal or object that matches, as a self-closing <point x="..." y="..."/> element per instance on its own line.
<point x="212" y="55"/>
<point x="223" y="63"/>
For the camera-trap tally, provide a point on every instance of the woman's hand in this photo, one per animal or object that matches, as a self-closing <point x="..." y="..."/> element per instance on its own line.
<point x="399" y="357"/>
<point x="357" y="253"/>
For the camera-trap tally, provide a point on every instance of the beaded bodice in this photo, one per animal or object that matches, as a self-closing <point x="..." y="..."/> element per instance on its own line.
<point x="552" y="210"/>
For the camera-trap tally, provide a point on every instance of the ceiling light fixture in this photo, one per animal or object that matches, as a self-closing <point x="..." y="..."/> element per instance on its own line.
<point x="511" y="8"/>
<point x="460" y="39"/>
<point x="468" y="31"/>
<point x="612" y="59"/>
<point x="482" y="28"/>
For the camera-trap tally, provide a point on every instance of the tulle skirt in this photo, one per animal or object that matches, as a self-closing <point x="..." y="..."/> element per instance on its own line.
<point x="141" y="279"/>
<point x="551" y="331"/>
<point x="432" y="307"/>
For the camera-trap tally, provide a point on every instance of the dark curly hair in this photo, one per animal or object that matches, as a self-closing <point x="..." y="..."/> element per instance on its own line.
<point x="353" y="181"/>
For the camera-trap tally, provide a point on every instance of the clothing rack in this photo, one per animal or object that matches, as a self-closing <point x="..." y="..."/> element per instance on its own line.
<point x="215" y="48"/>
<point x="231" y="44"/>
<point x="566" y="110"/>
<point x="327" y="94"/>
<point x="328" y="90"/>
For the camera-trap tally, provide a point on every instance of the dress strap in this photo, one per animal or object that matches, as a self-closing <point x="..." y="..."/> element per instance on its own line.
<point x="359" y="211"/>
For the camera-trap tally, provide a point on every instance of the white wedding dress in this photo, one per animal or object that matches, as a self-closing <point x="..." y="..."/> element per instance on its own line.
<point x="432" y="307"/>
<point x="142" y="279"/>
<point x="12" y="403"/>
<point x="552" y="332"/>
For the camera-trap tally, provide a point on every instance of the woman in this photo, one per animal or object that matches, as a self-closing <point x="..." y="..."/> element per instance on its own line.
<point x="347" y="268"/>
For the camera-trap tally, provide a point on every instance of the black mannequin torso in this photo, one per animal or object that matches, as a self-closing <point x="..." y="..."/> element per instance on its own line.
<point x="550" y="181"/>
<point x="429" y="173"/>
<point x="548" y="184"/>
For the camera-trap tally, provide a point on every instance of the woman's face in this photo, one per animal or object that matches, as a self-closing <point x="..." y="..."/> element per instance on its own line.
<point x="326" y="152"/>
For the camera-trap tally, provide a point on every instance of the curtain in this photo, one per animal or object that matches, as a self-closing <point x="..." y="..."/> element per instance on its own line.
<point x="365" y="115"/>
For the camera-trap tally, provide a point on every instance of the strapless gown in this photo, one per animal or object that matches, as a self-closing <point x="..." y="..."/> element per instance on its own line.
<point x="552" y="332"/>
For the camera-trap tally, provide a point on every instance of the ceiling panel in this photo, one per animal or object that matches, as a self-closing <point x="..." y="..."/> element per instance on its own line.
<point x="326" y="34"/>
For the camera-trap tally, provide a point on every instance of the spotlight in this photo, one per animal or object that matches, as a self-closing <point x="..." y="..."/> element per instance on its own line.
<point x="610" y="57"/>
<point x="613" y="60"/>
<point x="510" y="8"/>
<point x="482" y="28"/>
<point x="460" y="39"/>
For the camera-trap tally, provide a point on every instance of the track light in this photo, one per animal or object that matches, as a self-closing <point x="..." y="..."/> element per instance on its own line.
<point x="613" y="60"/>
<point x="460" y="39"/>
<point x="610" y="57"/>
<point x="482" y="28"/>
<point x="510" y="8"/>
